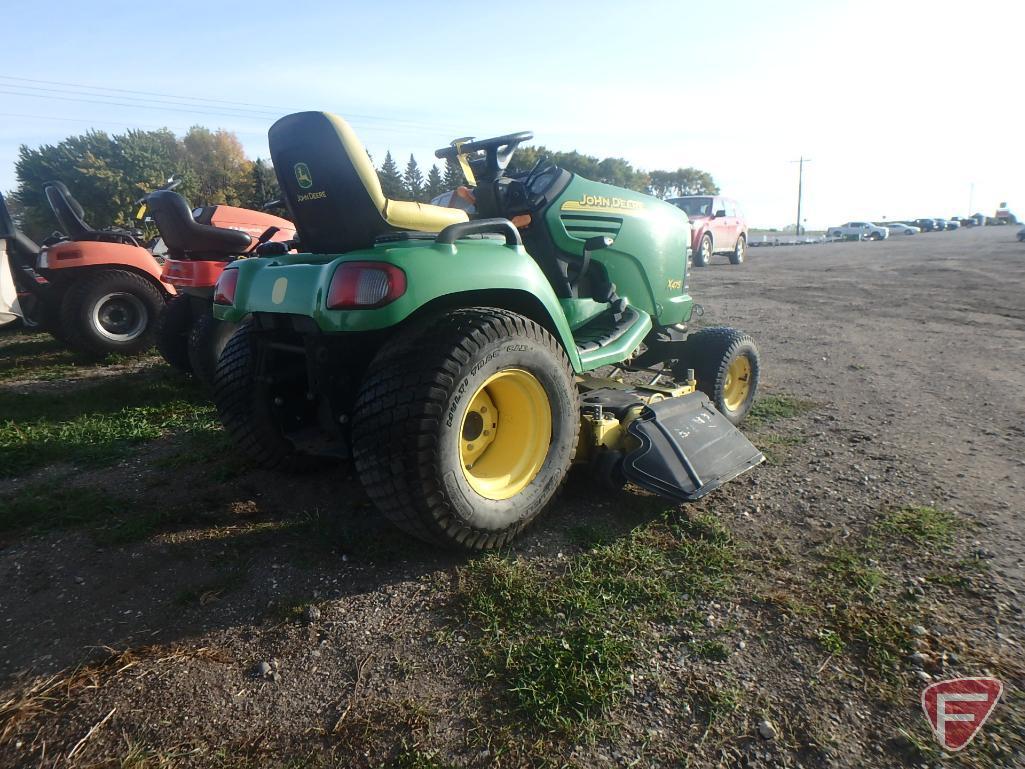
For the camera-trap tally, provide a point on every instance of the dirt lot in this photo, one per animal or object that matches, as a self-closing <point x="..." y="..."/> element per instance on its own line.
<point x="165" y="604"/>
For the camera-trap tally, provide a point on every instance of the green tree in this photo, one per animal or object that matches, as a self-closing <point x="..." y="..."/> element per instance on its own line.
<point x="413" y="180"/>
<point x="682" y="181"/>
<point x="222" y="172"/>
<point x="453" y="175"/>
<point x="264" y="186"/>
<point x="106" y="174"/>
<point x="435" y="184"/>
<point x="391" y="179"/>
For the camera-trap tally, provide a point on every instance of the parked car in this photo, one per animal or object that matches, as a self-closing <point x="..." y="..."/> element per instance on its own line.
<point x="927" y="225"/>
<point x="717" y="227"/>
<point x="859" y="230"/>
<point x="1021" y="235"/>
<point x="964" y="221"/>
<point x="899" y="228"/>
<point x="952" y="224"/>
<point x="941" y="224"/>
<point x="980" y="219"/>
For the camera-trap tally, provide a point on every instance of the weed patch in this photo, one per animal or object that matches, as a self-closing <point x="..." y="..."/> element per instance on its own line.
<point x="772" y="408"/>
<point x="919" y="525"/>
<point x="562" y="642"/>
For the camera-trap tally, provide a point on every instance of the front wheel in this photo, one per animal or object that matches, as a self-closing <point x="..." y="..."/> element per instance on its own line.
<point x="464" y="429"/>
<point x="113" y="311"/>
<point x="727" y="367"/>
<point x="703" y="257"/>
<point x="739" y="252"/>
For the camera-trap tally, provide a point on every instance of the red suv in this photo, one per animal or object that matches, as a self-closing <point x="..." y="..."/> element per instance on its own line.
<point x="717" y="227"/>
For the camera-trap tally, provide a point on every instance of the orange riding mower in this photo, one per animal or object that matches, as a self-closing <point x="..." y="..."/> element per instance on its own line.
<point x="199" y="244"/>
<point x="98" y="291"/>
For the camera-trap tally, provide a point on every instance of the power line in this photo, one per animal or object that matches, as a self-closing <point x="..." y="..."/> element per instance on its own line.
<point x="262" y="110"/>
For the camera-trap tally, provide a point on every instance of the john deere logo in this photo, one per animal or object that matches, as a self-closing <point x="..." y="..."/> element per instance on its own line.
<point x="302" y="175"/>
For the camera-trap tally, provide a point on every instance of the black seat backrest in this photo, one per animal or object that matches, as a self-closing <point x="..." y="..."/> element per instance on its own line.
<point x="69" y="213"/>
<point x="329" y="184"/>
<point x="19" y="245"/>
<point x="183" y="235"/>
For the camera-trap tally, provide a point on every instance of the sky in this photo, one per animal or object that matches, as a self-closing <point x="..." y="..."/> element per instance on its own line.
<point x="907" y="109"/>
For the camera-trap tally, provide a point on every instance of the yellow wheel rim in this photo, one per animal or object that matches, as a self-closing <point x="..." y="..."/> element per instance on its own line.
<point x="505" y="434"/>
<point x="738" y="383"/>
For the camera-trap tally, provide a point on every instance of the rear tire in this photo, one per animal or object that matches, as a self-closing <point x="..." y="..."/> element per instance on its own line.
<point x="247" y="409"/>
<point x="207" y="340"/>
<point x="425" y="446"/>
<point x="113" y="311"/>
<point x="172" y="333"/>
<point x="727" y="367"/>
<point x="739" y="252"/>
<point x="703" y="256"/>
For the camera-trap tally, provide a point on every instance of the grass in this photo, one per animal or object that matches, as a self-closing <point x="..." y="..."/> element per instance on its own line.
<point x="111" y="518"/>
<point x="562" y="643"/>
<point x="772" y="408"/>
<point x="98" y="424"/>
<point x="849" y="568"/>
<point x="38" y="357"/>
<point x="710" y="649"/>
<point x="919" y="525"/>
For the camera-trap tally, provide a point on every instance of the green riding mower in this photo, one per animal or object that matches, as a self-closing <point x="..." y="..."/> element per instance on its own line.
<point x="454" y="358"/>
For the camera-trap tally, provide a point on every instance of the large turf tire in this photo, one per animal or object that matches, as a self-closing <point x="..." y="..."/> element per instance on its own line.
<point x="247" y="410"/>
<point x="411" y="415"/>
<point x="703" y="256"/>
<point x="172" y="333"/>
<point x="111" y="311"/>
<point x="207" y="339"/>
<point x="718" y="355"/>
<point x="739" y="251"/>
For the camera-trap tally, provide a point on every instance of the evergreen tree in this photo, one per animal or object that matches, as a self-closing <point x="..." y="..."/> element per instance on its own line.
<point x="413" y="180"/>
<point x="435" y="184"/>
<point x="391" y="179"/>
<point x="453" y="175"/>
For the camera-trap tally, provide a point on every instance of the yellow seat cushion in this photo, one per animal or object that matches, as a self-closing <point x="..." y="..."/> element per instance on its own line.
<point x="421" y="217"/>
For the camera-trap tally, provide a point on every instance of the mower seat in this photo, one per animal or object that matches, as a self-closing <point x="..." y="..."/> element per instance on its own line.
<point x="70" y="215"/>
<point x="333" y="192"/>
<point x="183" y="235"/>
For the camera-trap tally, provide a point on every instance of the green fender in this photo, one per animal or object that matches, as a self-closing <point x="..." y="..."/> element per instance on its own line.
<point x="488" y="271"/>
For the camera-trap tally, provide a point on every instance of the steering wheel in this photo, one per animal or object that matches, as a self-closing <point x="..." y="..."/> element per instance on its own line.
<point x="498" y="151"/>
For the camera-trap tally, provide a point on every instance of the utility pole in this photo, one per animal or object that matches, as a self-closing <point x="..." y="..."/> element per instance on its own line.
<point x="800" y="182"/>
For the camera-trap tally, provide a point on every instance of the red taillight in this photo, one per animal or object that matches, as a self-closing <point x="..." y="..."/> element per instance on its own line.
<point x="365" y="284"/>
<point x="224" y="290"/>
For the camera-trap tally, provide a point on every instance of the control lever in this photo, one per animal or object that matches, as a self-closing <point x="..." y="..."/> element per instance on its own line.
<point x="596" y="243"/>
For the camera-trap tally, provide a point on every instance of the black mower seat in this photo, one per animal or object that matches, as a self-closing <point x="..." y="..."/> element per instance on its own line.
<point x="333" y="192"/>
<point x="182" y="234"/>
<point x="70" y="215"/>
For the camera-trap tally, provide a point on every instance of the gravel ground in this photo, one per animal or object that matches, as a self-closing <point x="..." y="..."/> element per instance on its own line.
<point x="283" y="624"/>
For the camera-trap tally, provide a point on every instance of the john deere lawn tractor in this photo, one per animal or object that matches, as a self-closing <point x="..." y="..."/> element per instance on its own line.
<point x="453" y="357"/>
